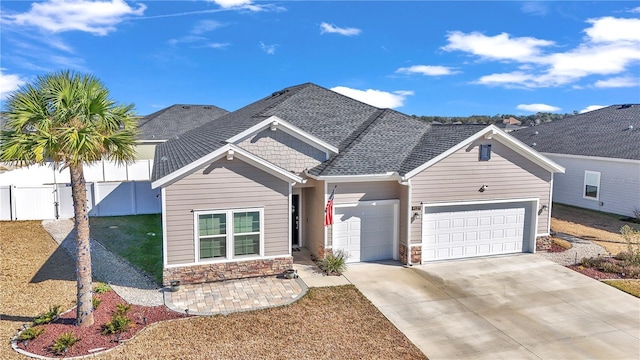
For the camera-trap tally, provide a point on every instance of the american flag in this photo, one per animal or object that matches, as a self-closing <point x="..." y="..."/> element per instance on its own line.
<point x="328" y="210"/>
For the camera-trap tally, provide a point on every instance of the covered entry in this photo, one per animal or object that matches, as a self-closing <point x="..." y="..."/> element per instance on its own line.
<point x="468" y="230"/>
<point x="367" y="231"/>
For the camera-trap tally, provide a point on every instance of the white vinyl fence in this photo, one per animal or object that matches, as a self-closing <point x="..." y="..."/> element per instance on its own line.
<point x="111" y="190"/>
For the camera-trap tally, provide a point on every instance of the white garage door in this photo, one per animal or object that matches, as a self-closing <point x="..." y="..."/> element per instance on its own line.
<point x="365" y="232"/>
<point x="460" y="234"/>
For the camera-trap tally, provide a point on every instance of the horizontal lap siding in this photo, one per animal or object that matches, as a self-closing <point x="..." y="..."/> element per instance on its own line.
<point x="225" y="185"/>
<point x="458" y="178"/>
<point x="619" y="184"/>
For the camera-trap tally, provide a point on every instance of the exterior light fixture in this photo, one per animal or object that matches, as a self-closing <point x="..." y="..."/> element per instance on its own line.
<point x="483" y="188"/>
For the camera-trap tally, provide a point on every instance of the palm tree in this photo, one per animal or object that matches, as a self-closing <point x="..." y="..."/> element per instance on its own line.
<point x="67" y="119"/>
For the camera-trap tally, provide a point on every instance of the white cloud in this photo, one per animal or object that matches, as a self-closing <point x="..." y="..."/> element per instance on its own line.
<point x="217" y="45"/>
<point x="9" y="83"/>
<point x="535" y="8"/>
<point x="427" y="70"/>
<point x="591" y="108"/>
<point x="611" y="47"/>
<point x="635" y="10"/>
<point x="205" y="26"/>
<point x="95" y="17"/>
<point x="269" y="49"/>
<point x="617" y="82"/>
<point x="500" y="47"/>
<point x="245" y="5"/>
<point x="537" y="107"/>
<point x="332" y="29"/>
<point x="377" y="98"/>
<point x="610" y="29"/>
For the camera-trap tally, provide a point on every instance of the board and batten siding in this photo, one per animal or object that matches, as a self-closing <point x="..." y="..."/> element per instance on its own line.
<point x="459" y="176"/>
<point x="225" y="185"/>
<point x="353" y="192"/>
<point x="284" y="150"/>
<point x="619" y="184"/>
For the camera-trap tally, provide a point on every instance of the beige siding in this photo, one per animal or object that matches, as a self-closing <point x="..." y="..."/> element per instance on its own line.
<point x="349" y="193"/>
<point x="284" y="150"/>
<point x="145" y="151"/>
<point x="226" y="185"/>
<point x="404" y="213"/>
<point x="459" y="176"/>
<point x="313" y="211"/>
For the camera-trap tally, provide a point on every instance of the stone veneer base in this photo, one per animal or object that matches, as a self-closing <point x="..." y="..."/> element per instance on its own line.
<point x="197" y="274"/>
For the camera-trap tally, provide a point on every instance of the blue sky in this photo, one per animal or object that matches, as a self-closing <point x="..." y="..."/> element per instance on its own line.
<point x="419" y="57"/>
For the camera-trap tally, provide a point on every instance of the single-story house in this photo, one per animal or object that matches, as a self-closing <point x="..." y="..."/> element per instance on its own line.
<point x="239" y="192"/>
<point x="600" y="151"/>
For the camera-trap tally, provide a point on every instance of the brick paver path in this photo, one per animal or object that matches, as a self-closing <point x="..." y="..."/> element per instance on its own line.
<point x="235" y="295"/>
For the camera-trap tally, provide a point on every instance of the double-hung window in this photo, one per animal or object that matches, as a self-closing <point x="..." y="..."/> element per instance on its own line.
<point x="591" y="185"/>
<point x="228" y="234"/>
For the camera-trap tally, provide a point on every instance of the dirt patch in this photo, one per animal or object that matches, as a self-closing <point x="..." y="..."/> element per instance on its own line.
<point x="601" y="228"/>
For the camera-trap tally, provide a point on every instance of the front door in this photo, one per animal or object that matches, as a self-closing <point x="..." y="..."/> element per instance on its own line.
<point x="295" y="221"/>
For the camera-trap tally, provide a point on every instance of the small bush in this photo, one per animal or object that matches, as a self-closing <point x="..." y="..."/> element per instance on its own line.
<point x="95" y="302"/>
<point x="64" y="342"/>
<point x="120" y="322"/>
<point x="101" y="288"/>
<point x="632" y="237"/>
<point x="334" y="263"/>
<point x="49" y="316"/>
<point x="31" y="333"/>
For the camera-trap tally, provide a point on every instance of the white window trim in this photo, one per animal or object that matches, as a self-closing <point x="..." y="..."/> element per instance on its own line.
<point x="584" y="185"/>
<point x="229" y="236"/>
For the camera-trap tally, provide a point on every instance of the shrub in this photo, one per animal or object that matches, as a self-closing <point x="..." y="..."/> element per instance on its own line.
<point x="64" y="342"/>
<point x="95" y="302"/>
<point x="101" y="288"/>
<point x="632" y="237"/>
<point x="335" y="262"/>
<point x="49" y="316"/>
<point x="120" y="322"/>
<point x="31" y="333"/>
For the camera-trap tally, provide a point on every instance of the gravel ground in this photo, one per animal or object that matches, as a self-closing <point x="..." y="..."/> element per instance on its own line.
<point x="580" y="249"/>
<point x="128" y="282"/>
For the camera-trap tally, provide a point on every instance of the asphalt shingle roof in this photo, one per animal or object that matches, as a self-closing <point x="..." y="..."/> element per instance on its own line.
<point x="370" y="140"/>
<point x="602" y="133"/>
<point x="176" y="119"/>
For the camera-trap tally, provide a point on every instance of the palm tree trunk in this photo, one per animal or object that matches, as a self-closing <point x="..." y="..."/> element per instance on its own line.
<point x="84" y="315"/>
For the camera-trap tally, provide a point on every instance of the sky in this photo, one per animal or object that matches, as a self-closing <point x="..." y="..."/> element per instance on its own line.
<point x="452" y="58"/>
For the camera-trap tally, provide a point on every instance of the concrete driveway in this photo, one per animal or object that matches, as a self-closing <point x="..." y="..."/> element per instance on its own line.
<point x="507" y="307"/>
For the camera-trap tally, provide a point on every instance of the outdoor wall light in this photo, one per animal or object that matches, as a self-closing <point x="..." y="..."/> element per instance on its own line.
<point x="483" y="188"/>
<point x="543" y="208"/>
<point x="416" y="215"/>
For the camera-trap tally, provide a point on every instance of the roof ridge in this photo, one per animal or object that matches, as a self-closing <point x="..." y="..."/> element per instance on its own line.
<point x="286" y="91"/>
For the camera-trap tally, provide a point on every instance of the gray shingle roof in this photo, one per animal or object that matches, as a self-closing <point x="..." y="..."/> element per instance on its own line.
<point x="176" y="119"/>
<point x="601" y="133"/>
<point x="370" y="140"/>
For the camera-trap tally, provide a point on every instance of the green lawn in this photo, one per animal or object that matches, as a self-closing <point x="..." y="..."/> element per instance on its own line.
<point x="137" y="238"/>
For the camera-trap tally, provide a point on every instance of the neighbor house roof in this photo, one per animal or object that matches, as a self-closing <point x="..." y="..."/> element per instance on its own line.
<point x="176" y="119"/>
<point x="370" y="141"/>
<point x="610" y="132"/>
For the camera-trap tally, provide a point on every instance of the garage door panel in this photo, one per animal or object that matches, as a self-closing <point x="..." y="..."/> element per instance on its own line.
<point x="368" y="230"/>
<point x="467" y="233"/>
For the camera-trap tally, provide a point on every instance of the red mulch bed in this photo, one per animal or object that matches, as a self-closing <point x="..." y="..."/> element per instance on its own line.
<point x="594" y="273"/>
<point x="91" y="337"/>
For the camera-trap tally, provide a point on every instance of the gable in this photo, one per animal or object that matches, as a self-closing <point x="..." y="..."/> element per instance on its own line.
<point x="283" y="150"/>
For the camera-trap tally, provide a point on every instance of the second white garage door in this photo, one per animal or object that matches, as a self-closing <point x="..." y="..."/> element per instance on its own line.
<point x="460" y="234"/>
<point x="366" y="232"/>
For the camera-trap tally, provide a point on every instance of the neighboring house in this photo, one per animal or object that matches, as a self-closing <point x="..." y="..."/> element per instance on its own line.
<point x="510" y="124"/>
<point x="40" y="192"/>
<point x="241" y="191"/>
<point x="170" y="122"/>
<point x="600" y="150"/>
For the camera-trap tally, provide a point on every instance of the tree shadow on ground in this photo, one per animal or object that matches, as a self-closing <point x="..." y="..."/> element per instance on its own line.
<point x="59" y="266"/>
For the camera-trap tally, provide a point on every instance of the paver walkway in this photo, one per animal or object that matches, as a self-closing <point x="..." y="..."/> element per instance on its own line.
<point x="235" y="295"/>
